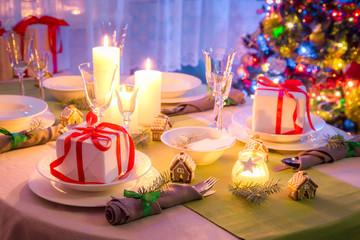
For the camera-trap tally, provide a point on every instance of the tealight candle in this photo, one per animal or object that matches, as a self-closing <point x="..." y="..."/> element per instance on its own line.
<point x="149" y="94"/>
<point x="250" y="168"/>
<point x="103" y="56"/>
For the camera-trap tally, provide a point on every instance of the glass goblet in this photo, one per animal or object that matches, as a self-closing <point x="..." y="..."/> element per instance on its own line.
<point x="39" y="63"/>
<point x="98" y="84"/>
<point x="19" y="48"/>
<point x="126" y="95"/>
<point x="222" y="86"/>
<point x="217" y="59"/>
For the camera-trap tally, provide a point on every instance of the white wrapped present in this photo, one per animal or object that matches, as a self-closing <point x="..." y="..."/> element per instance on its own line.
<point x="279" y="108"/>
<point x="98" y="165"/>
<point x="6" y="72"/>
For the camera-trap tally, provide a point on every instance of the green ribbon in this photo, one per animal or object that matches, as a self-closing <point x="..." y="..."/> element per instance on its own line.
<point x="351" y="146"/>
<point x="145" y="199"/>
<point x="15" y="137"/>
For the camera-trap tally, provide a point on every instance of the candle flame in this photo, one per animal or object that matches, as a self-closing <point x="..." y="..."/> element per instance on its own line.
<point x="147" y="66"/>
<point x="106" y="41"/>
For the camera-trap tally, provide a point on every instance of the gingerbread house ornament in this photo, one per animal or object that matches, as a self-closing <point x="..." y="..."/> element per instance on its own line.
<point x="301" y="185"/>
<point x="255" y="143"/>
<point x="182" y="168"/>
<point x="160" y="125"/>
<point x="70" y="115"/>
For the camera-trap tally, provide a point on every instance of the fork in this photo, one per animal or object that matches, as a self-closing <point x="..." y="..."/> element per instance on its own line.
<point x="205" y="186"/>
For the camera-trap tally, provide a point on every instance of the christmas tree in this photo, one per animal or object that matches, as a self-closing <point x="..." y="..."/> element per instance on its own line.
<point x="316" y="41"/>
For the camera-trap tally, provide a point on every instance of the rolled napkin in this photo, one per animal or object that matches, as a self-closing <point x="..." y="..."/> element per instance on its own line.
<point x="23" y="139"/>
<point x="204" y="104"/>
<point x="133" y="206"/>
<point x="335" y="150"/>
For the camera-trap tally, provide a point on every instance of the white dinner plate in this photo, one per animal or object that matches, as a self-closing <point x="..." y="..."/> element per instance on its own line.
<point x="309" y="142"/>
<point x="47" y="119"/>
<point x="243" y="118"/>
<point x="174" y="85"/>
<point x="16" y="111"/>
<point x="141" y="166"/>
<point x="191" y="95"/>
<point x="58" y="193"/>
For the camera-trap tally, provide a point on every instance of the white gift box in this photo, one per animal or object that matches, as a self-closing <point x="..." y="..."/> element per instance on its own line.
<point x="41" y="42"/>
<point x="265" y="110"/>
<point x="6" y="72"/>
<point x="99" y="166"/>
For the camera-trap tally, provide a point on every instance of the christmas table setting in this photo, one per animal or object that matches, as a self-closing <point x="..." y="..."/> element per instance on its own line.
<point x="161" y="155"/>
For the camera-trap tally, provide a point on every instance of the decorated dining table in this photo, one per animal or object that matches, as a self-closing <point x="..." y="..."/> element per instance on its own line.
<point x="34" y="204"/>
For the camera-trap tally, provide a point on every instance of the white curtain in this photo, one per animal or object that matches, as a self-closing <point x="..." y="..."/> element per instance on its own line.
<point x="171" y="33"/>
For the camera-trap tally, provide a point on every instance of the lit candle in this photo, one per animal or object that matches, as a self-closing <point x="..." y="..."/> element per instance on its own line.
<point x="149" y="94"/>
<point x="103" y="56"/>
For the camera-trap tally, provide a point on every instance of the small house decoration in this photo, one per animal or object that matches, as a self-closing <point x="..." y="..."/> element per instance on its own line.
<point x="70" y="115"/>
<point x="257" y="144"/>
<point x="182" y="168"/>
<point x="160" y="125"/>
<point x="301" y="185"/>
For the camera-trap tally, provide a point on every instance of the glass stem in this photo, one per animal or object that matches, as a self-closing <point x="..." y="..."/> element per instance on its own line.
<point x="21" y="83"/>
<point x="126" y="121"/>
<point x="219" y="119"/>
<point x="41" y="88"/>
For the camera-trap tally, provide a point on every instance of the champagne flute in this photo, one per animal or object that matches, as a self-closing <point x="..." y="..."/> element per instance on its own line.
<point x="222" y="86"/>
<point x="126" y="95"/>
<point x="217" y="59"/>
<point x="39" y="63"/>
<point x="19" y="48"/>
<point x="98" y="85"/>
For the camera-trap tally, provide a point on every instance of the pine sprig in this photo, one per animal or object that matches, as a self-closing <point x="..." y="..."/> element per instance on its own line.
<point x="336" y="142"/>
<point x="159" y="183"/>
<point x="80" y="103"/>
<point x="33" y="126"/>
<point x="255" y="192"/>
<point x="141" y="137"/>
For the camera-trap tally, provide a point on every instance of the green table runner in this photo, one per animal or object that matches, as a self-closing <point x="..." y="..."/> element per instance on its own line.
<point x="333" y="214"/>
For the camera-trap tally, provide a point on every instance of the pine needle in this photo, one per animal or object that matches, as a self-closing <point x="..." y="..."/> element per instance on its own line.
<point x="255" y="192"/>
<point x="159" y="183"/>
<point x="335" y="142"/>
<point x="141" y="138"/>
<point x="33" y="126"/>
<point x="79" y="103"/>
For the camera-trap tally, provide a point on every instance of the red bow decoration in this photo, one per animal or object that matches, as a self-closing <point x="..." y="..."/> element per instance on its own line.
<point x="2" y="30"/>
<point x="95" y="133"/>
<point x="53" y="25"/>
<point x="284" y="88"/>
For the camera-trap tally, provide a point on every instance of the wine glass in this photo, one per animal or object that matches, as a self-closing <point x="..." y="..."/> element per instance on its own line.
<point x="126" y="95"/>
<point x="19" y="48"/>
<point x="222" y="86"/>
<point x="39" y="63"/>
<point x="217" y="59"/>
<point x="98" y="84"/>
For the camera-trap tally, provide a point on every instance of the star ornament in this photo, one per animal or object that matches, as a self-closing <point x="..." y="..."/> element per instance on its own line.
<point x="249" y="165"/>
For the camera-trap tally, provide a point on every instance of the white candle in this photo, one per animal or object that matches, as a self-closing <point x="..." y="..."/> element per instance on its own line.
<point x="149" y="94"/>
<point x="103" y="56"/>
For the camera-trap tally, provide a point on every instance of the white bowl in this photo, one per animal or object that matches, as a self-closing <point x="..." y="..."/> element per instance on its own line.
<point x="214" y="143"/>
<point x="65" y="87"/>
<point x="17" y="111"/>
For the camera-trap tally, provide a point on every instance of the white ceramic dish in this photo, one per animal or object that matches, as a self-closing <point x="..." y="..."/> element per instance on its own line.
<point x="47" y="119"/>
<point x="173" y="84"/>
<point x="17" y="111"/>
<point x="243" y="119"/>
<point x="203" y="155"/>
<point x="141" y="167"/>
<point x="191" y="95"/>
<point x="65" y="87"/>
<point x="309" y="142"/>
<point x="58" y="193"/>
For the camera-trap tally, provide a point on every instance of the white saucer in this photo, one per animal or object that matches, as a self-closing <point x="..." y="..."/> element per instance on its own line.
<point x="191" y="95"/>
<point x="309" y="142"/>
<point x="16" y="111"/>
<point x="141" y="167"/>
<point x="47" y="119"/>
<point x="58" y="193"/>
<point x="243" y="119"/>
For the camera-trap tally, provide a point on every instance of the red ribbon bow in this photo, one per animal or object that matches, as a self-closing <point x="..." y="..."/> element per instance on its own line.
<point x="284" y="88"/>
<point x="95" y="133"/>
<point x="53" y="25"/>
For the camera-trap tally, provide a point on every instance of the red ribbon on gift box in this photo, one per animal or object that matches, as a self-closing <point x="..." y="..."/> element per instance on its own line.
<point x="53" y="26"/>
<point x="2" y="30"/>
<point x="283" y="89"/>
<point x="95" y="133"/>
